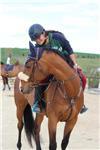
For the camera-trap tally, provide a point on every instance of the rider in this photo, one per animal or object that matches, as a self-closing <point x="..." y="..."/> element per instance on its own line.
<point x="8" y="60"/>
<point x="54" y="40"/>
<point x="8" y="63"/>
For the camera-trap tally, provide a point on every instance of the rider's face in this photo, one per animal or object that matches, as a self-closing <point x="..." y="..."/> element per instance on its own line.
<point x="41" y="39"/>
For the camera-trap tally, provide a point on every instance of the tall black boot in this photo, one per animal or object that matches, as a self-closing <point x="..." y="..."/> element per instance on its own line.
<point x="84" y="109"/>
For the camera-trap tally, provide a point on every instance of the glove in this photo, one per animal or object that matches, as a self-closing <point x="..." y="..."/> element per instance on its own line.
<point x="76" y="67"/>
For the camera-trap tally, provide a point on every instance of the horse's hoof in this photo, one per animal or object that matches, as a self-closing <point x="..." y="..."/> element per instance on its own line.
<point x="19" y="145"/>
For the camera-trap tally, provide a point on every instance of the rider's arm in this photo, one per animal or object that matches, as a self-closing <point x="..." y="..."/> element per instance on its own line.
<point x="66" y="46"/>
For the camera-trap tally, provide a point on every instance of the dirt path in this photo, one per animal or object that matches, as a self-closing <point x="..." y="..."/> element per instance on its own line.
<point x="85" y="136"/>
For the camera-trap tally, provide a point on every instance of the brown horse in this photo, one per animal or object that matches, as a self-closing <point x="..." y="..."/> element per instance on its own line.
<point x="23" y="111"/>
<point x="25" y="117"/>
<point x="64" y="97"/>
<point x="17" y="67"/>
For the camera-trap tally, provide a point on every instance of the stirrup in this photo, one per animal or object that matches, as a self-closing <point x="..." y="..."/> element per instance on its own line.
<point x="35" y="108"/>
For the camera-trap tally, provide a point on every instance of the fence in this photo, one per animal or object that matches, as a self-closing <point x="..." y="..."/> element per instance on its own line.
<point x="93" y="82"/>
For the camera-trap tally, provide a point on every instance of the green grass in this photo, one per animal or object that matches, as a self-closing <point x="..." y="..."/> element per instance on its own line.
<point x="16" y="54"/>
<point x="88" y="62"/>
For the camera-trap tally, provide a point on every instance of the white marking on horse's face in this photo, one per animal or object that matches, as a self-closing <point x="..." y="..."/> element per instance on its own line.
<point x="20" y="85"/>
<point x="23" y="76"/>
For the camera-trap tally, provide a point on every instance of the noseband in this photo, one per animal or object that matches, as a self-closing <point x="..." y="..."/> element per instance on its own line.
<point x="34" y="66"/>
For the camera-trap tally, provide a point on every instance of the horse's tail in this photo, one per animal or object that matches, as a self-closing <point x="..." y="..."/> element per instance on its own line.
<point x="29" y="124"/>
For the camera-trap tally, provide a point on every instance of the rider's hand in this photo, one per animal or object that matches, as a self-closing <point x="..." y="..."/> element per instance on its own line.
<point x="76" y="66"/>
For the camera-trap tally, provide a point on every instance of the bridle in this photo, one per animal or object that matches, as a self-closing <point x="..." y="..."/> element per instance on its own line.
<point x="34" y="66"/>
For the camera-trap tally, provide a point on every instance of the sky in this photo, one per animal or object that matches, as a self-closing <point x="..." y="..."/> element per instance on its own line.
<point x="79" y="20"/>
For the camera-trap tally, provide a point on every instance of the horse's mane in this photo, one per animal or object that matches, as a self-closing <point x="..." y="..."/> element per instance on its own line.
<point x="33" y="52"/>
<point x="66" y="58"/>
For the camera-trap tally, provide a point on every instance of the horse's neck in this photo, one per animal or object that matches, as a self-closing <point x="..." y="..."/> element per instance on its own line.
<point x="21" y="67"/>
<point x="58" y="67"/>
<point x="18" y="67"/>
<point x="63" y="72"/>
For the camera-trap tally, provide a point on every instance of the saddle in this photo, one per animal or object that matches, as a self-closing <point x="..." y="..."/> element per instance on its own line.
<point x="82" y="77"/>
<point x="9" y="67"/>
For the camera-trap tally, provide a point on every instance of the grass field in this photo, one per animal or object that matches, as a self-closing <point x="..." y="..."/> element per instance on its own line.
<point x="86" y="61"/>
<point x="16" y="54"/>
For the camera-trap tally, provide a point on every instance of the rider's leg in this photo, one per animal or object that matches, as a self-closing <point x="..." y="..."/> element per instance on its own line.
<point x="38" y="96"/>
<point x="84" y="109"/>
<point x="83" y="79"/>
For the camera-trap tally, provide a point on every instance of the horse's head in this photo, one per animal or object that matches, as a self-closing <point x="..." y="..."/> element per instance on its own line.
<point x="35" y="71"/>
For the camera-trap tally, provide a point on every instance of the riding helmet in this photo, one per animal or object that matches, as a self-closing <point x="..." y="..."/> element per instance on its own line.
<point x="35" y="31"/>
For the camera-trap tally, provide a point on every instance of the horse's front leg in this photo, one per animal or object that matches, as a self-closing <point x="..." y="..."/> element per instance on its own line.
<point x="52" y="126"/>
<point x="8" y="83"/>
<point x="4" y="83"/>
<point x="67" y="131"/>
<point x="20" y="127"/>
<point x="9" y="87"/>
<point x="4" y="87"/>
<point x="38" y="120"/>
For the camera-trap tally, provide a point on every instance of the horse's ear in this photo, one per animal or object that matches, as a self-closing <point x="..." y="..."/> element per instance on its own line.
<point x="32" y="52"/>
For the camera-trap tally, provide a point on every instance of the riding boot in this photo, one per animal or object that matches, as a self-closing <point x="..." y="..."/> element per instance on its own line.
<point x="35" y="107"/>
<point x="38" y="97"/>
<point x="40" y="104"/>
<point x="83" y="80"/>
<point x="84" y="109"/>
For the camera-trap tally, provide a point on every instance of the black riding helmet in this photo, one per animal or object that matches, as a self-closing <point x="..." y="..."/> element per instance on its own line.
<point x="35" y="31"/>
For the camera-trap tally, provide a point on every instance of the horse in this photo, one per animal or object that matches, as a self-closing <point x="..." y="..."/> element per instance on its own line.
<point x="25" y="117"/>
<point x="24" y="113"/>
<point x="64" y="95"/>
<point x="17" y="67"/>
